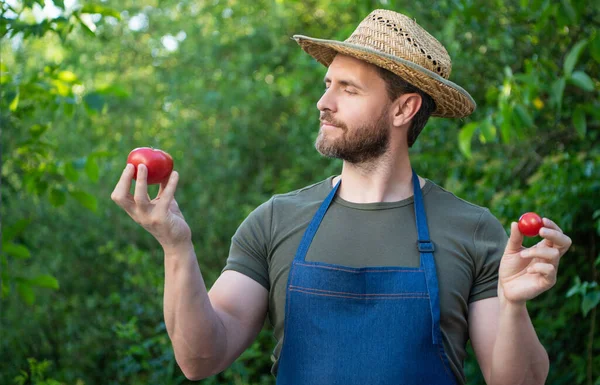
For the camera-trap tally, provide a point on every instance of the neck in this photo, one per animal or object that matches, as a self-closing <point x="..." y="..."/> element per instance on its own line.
<point x="386" y="179"/>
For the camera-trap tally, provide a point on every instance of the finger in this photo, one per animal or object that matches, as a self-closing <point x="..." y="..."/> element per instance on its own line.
<point x="546" y="269"/>
<point x="169" y="191"/>
<point x="140" y="194"/>
<point x="163" y="184"/>
<point x="548" y="254"/>
<point x="555" y="237"/>
<point x="515" y="242"/>
<point x="121" y="194"/>
<point x="551" y="225"/>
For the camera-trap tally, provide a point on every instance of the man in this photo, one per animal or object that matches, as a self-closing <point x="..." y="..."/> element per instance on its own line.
<point x="360" y="284"/>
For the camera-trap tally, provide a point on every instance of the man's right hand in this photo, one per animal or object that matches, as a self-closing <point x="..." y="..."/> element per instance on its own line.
<point x="160" y="216"/>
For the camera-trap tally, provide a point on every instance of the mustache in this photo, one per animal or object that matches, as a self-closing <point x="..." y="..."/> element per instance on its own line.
<point x="326" y="117"/>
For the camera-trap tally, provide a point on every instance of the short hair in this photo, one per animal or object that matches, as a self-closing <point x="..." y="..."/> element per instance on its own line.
<point x="397" y="86"/>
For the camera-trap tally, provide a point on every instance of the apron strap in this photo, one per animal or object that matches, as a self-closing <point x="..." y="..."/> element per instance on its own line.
<point x="426" y="249"/>
<point x="310" y="232"/>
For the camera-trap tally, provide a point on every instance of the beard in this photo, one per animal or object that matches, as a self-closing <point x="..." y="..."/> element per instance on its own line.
<point x="356" y="145"/>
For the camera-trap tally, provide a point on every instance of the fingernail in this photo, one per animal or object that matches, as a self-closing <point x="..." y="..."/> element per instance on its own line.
<point x="525" y="253"/>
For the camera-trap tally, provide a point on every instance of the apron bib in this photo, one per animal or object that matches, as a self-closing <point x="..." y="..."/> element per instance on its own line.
<point x="363" y="326"/>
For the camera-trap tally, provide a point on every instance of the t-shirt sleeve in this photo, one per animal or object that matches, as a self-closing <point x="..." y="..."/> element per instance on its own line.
<point x="249" y="249"/>
<point x="490" y="241"/>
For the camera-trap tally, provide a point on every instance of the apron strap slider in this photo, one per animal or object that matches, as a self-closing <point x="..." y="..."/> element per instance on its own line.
<point x="425" y="246"/>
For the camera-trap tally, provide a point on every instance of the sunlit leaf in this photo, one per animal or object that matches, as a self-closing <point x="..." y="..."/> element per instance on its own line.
<point x="67" y="76"/>
<point x="15" y="103"/>
<point x="45" y="280"/>
<point x="104" y="11"/>
<point x="91" y="28"/>
<point x="465" y="136"/>
<point x="16" y="250"/>
<point x="488" y="131"/>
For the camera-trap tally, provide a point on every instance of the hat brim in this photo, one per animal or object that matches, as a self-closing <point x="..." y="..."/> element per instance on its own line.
<point x="451" y="100"/>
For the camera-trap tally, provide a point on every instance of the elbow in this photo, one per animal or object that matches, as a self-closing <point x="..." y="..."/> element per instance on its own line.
<point x="199" y="369"/>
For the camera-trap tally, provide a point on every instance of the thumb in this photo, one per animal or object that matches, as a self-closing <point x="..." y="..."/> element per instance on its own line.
<point x="515" y="242"/>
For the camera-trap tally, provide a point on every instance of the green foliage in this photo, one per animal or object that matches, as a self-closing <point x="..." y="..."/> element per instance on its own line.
<point x="222" y="87"/>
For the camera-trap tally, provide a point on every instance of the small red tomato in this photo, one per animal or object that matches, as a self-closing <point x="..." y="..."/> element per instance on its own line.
<point x="158" y="162"/>
<point x="530" y="224"/>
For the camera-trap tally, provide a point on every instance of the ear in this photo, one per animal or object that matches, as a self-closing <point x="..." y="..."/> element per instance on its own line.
<point x="404" y="108"/>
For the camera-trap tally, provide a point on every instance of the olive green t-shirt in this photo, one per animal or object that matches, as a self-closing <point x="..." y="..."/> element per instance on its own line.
<point x="469" y="242"/>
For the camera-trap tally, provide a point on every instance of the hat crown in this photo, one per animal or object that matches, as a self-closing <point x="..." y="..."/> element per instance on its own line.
<point x="400" y="36"/>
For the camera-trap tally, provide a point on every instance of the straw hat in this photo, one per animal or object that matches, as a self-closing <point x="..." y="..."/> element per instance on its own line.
<point x="397" y="43"/>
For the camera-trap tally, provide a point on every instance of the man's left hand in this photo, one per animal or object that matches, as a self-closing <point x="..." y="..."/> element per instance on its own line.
<point x="527" y="272"/>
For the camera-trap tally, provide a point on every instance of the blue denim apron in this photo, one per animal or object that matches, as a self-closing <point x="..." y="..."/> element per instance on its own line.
<point x="363" y="326"/>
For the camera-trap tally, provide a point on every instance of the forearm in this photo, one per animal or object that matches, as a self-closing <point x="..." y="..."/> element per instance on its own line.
<point x="518" y="356"/>
<point x="194" y="327"/>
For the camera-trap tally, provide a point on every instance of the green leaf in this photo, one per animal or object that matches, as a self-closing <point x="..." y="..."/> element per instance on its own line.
<point x="523" y="116"/>
<point x="488" y="131"/>
<point x="582" y="80"/>
<point x="569" y="10"/>
<point x="57" y="197"/>
<point x="113" y="90"/>
<point x="26" y="292"/>
<point x="45" y="280"/>
<point x="10" y="232"/>
<point x="579" y="122"/>
<point x="90" y="29"/>
<point x="573" y="56"/>
<point x="590" y="301"/>
<point x="558" y="89"/>
<point x="16" y="250"/>
<point x="87" y="200"/>
<point x="505" y="125"/>
<point x="91" y="168"/>
<point x="94" y="101"/>
<point x="70" y="172"/>
<point x="595" y="48"/>
<point x="15" y="103"/>
<point x="67" y="76"/>
<point x="464" y="138"/>
<point x="104" y="11"/>
<point x="5" y="289"/>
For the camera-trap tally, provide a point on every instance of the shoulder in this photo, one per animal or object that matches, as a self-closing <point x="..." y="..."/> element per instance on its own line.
<point x="305" y="196"/>
<point x="441" y="196"/>
<point x="457" y="214"/>
<point x="289" y="204"/>
<point x="448" y="207"/>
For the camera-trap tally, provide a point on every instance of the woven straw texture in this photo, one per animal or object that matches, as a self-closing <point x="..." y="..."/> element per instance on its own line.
<point x="397" y="43"/>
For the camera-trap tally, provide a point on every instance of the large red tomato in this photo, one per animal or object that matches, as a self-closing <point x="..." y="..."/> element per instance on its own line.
<point x="530" y="224"/>
<point x="158" y="162"/>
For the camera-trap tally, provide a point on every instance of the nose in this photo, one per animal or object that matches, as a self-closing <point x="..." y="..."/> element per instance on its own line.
<point x="327" y="101"/>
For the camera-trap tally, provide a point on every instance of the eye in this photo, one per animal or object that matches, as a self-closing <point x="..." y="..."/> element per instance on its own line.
<point x="350" y="91"/>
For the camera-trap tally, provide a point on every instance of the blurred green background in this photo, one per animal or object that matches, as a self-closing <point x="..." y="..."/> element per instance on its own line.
<point x="222" y="87"/>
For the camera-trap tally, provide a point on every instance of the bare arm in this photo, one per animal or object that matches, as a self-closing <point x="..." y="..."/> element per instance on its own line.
<point x="503" y="338"/>
<point x="208" y="331"/>
<point x="505" y="344"/>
